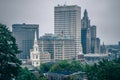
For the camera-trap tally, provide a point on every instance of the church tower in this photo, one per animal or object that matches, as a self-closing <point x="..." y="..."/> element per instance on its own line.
<point x="35" y="53"/>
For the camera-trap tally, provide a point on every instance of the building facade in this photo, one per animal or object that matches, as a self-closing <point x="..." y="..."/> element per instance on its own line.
<point x="68" y="23"/>
<point x="93" y="38"/>
<point x="24" y="34"/>
<point x="97" y="45"/>
<point x="60" y="48"/>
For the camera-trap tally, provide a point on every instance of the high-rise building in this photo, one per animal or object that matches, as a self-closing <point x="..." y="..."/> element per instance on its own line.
<point x="86" y="33"/>
<point x="68" y="23"/>
<point x="60" y="48"/>
<point x="93" y="38"/>
<point x="119" y="43"/>
<point x="24" y="34"/>
<point x="97" y="45"/>
<point x="90" y="43"/>
<point x="85" y="20"/>
<point x="84" y="39"/>
<point x="93" y="31"/>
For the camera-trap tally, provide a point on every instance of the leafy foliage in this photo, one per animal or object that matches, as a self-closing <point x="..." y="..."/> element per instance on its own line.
<point x="25" y="74"/>
<point x="44" y="68"/>
<point x="42" y="77"/>
<point x="9" y="63"/>
<point x="104" y="70"/>
<point x="65" y="67"/>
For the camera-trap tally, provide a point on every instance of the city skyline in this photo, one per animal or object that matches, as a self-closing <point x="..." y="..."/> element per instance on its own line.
<point x="103" y="14"/>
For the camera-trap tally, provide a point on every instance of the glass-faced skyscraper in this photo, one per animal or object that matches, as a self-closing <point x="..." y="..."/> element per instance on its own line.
<point x="68" y="24"/>
<point x="90" y="43"/>
<point x="86" y="33"/>
<point x="24" y="34"/>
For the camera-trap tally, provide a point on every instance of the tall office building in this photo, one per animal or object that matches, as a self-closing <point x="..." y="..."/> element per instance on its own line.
<point x="119" y="43"/>
<point x="97" y="45"/>
<point x="68" y="23"/>
<point x="93" y="38"/>
<point x="84" y="40"/>
<point x="24" y="34"/>
<point x="93" y="31"/>
<point x="60" y="48"/>
<point x="86" y="33"/>
<point x="90" y="43"/>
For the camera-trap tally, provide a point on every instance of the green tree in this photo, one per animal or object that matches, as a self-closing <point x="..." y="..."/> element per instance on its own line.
<point x="44" y="68"/>
<point x="42" y="77"/>
<point x="67" y="67"/>
<point x="25" y="74"/>
<point x="104" y="70"/>
<point x="60" y="66"/>
<point x="9" y="63"/>
<point x="76" y="66"/>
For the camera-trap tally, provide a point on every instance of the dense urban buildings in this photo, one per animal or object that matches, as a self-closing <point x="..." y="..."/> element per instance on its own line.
<point x="24" y="34"/>
<point x="68" y="24"/>
<point x="95" y="58"/>
<point x="65" y="44"/>
<point x="103" y="48"/>
<point x="60" y="48"/>
<point x="90" y="43"/>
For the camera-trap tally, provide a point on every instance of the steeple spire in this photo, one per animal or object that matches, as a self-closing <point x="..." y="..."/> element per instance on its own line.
<point x="35" y="36"/>
<point x="35" y="43"/>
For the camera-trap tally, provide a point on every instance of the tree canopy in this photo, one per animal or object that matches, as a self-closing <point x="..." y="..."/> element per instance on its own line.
<point x="9" y="63"/>
<point x="104" y="70"/>
<point x="25" y="74"/>
<point x="65" y="67"/>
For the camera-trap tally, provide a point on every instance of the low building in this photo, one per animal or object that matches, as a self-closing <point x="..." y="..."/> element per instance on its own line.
<point x="62" y="76"/>
<point x="45" y="57"/>
<point x="95" y="58"/>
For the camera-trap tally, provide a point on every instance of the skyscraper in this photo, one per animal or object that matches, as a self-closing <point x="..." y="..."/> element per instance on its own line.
<point x="86" y="33"/>
<point x="97" y="45"/>
<point x="93" y="38"/>
<point x="85" y="20"/>
<point x="24" y="34"/>
<point x="93" y="31"/>
<point x="68" y="23"/>
<point x="119" y="43"/>
<point x="90" y="43"/>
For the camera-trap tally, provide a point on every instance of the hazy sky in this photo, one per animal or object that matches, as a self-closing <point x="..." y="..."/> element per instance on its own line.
<point x="105" y="14"/>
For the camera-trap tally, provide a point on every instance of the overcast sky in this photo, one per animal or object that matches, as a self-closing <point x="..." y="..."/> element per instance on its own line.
<point x="105" y="14"/>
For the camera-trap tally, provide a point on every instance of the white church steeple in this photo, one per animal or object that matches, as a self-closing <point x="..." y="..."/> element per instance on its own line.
<point x="36" y="47"/>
